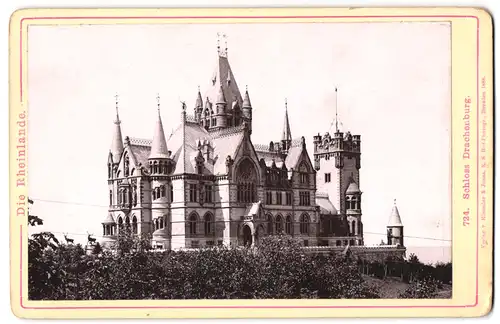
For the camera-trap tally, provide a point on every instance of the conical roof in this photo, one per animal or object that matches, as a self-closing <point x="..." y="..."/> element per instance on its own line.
<point x="199" y="100"/>
<point x="160" y="233"/>
<point x="353" y="188"/>
<point x="109" y="219"/>
<point x="221" y="99"/>
<point x="246" y="101"/>
<point x="395" y="219"/>
<point x="117" y="142"/>
<point x="159" y="145"/>
<point x="220" y="77"/>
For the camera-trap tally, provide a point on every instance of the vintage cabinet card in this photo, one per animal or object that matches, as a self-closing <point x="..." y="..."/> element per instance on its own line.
<point x="216" y="163"/>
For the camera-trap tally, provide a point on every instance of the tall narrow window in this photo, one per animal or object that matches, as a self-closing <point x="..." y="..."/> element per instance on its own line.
<point x="193" y="220"/>
<point x="134" y="225"/>
<point x="279" y="197"/>
<point x="269" y="224"/>
<point x="304" y="224"/>
<point x="328" y="177"/>
<point x="209" y="224"/>
<point x="279" y="224"/>
<point x="303" y="173"/>
<point x="208" y="193"/>
<point x="110" y="197"/>
<point x="269" y="198"/>
<point x="304" y="198"/>
<point x="193" y="193"/>
<point x="288" y="225"/>
<point x="288" y="198"/>
<point x="171" y="193"/>
<point x="246" y="178"/>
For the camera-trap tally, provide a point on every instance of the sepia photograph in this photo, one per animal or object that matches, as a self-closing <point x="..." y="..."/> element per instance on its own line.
<point x="239" y="161"/>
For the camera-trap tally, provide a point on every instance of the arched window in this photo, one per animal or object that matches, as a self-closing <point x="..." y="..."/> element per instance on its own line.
<point x="157" y="224"/>
<point x="270" y="224"/>
<point x="134" y="225"/>
<point x="279" y="224"/>
<point x="161" y="223"/>
<point x="246" y="176"/>
<point x="126" y="166"/>
<point x="120" y="223"/>
<point x="127" y="222"/>
<point x="288" y="225"/>
<point x="209" y="224"/>
<point x="303" y="173"/>
<point x="304" y="224"/>
<point x="354" y="227"/>
<point x="155" y="167"/>
<point x="125" y="196"/>
<point x="193" y="222"/>
<point x="163" y="191"/>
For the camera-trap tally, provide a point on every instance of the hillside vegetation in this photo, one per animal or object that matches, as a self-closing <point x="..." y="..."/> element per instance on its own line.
<point x="277" y="268"/>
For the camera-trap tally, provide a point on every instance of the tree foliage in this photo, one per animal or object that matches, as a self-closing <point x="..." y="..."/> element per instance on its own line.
<point x="276" y="269"/>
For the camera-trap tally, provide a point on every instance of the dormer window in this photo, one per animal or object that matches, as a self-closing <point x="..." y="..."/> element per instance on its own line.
<point x="303" y="174"/>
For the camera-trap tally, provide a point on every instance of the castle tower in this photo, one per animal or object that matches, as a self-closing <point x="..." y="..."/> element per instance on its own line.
<point x="160" y="166"/>
<point x="109" y="229"/>
<point x="198" y="107"/>
<point x="337" y="158"/>
<point x="286" y="138"/>
<point x="116" y="149"/>
<point x="353" y="212"/>
<point x="247" y="111"/>
<point x="395" y="234"/>
<point x="223" y="101"/>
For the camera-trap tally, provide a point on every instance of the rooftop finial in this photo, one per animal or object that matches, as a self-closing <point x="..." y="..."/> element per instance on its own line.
<point x="116" y="107"/>
<point x="198" y="88"/>
<point x="225" y="41"/>
<point x="158" y="102"/>
<point x="286" y="104"/>
<point x="246" y="87"/>
<point x="218" y="43"/>
<point x="394" y="201"/>
<point x="336" y="111"/>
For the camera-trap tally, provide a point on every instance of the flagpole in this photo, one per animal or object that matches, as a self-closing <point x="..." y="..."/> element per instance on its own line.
<point x="336" y="112"/>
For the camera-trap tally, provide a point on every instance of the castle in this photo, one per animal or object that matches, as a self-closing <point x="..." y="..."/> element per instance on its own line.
<point x="208" y="184"/>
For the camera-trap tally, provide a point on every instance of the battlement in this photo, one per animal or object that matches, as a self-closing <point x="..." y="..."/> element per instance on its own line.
<point x="339" y="142"/>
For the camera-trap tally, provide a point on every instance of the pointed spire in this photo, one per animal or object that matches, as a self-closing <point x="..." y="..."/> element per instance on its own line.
<point x="159" y="146"/>
<point x="158" y="103"/>
<point x="246" y="100"/>
<point x="117" y="142"/>
<point x="287" y="134"/>
<point x="221" y="99"/>
<point x="395" y="219"/>
<point x="199" y="101"/>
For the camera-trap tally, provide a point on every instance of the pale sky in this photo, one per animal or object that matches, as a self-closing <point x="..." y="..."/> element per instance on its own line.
<point x="394" y="90"/>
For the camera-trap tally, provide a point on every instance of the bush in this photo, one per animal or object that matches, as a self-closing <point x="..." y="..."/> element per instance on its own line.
<point x="278" y="269"/>
<point x="424" y="288"/>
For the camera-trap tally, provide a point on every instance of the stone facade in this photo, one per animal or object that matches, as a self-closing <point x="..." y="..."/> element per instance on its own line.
<point x="208" y="184"/>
